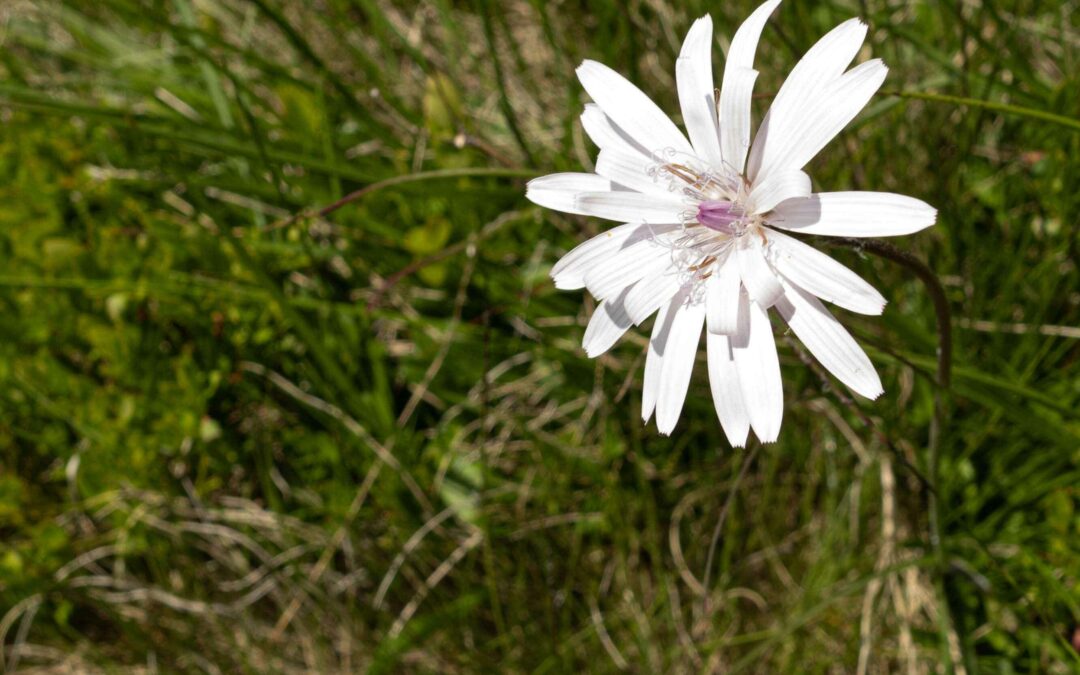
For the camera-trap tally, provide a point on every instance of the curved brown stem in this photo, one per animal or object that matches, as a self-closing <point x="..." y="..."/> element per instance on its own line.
<point x="944" y="360"/>
<point x="934" y="288"/>
<point x="943" y="378"/>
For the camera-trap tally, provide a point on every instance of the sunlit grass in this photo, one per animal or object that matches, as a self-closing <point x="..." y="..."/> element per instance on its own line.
<point x="249" y="426"/>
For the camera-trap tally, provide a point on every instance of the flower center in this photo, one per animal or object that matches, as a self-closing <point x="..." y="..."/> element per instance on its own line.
<point x="721" y="216"/>
<point x="715" y="218"/>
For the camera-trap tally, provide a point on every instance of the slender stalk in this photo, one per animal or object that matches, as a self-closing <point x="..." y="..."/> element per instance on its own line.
<point x="1020" y="111"/>
<point x="943" y="379"/>
<point x="934" y="287"/>
<point x="720" y="524"/>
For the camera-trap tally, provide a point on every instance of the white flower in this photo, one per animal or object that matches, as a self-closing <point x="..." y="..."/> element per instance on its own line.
<point x="702" y="244"/>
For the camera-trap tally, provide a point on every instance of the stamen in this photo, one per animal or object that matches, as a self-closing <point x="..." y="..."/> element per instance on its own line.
<point x="703" y="264"/>
<point x="684" y="173"/>
<point x="714" y="218"/>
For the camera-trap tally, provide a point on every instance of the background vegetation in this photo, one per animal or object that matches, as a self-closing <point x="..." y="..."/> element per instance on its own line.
<point x="240" y="434"/>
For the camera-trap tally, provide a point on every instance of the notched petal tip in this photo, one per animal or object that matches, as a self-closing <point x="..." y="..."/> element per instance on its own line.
<point x="772" y="439"/>
<point x="593" y="352"/>
<point x="872" y="392"/>
<point x="880" y="392"/>
<point x="536" y="183"/>
<point x="872" y="310"/>
<point x="703" y="20"/>
<point x="734" y="438"/>
<point x="542" y="198"/>
<point x="585" y="68"/>
<point x="927" y="216"/>
<point x="555" y="276"/>
<point x="853" y="22"/>
<point x="589" y="68"/>
<point x="877" y="65"/>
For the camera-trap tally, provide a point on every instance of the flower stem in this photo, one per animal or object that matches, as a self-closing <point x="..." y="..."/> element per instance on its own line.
<point x="1033" y="113"/>
<point x="943" y="379"/>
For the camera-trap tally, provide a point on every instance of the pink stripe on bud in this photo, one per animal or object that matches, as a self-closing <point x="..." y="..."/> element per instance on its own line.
<point x="720" y="216"/>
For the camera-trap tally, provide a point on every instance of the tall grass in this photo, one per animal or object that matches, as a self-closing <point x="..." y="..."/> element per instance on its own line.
<point x="285" y="385"/>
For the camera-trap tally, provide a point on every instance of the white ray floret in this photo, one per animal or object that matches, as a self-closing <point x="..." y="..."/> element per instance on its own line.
<point x="699" y="245"/>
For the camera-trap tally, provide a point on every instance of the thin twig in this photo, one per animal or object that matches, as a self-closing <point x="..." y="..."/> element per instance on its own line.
<point x="401" y="180"/>
<point x="720" y="524"/>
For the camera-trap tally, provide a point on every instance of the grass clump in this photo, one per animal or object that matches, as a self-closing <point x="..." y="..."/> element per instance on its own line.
<point x="246" y="430"/>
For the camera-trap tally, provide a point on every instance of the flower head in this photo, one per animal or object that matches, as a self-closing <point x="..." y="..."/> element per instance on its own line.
<point x="701" y="244"/>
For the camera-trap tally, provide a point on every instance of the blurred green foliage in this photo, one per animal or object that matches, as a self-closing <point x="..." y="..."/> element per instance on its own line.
<point x="241" y="435"/>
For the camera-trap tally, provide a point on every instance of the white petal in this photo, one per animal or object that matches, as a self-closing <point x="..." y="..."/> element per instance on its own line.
<point x="819" y="122"/>
<point x="759" y="375"/>
<point x="776" y="187"/>
<point x="608" y="323"/>
<point x="605" y="134"/>
<point x="735" y="100"/>
<point x="631" y="169"/>
<point x="829" y="342"/>
<point x="631" y="206"/>
<point x="855" y="214"/>
<point x="631" y="109"/>
<point x="693" y="75"/>
<point x="741" y="337"/>
<point x="650" y="293"/>
<point x="758" y="278"/>
<point x="681" y="353"/>
<point x="569" y="272"/>
<point x="654" y="359"/>
<point x="738" y="87"/>
<point x="744" y="44"/>
<point x="804" y="87"/>
<point x="727" y="391"/>
<point x="822" y="276"/>
<point x="630" y="264"/>
<point x="559" y="191"/>
<point x="722" y="298"/>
